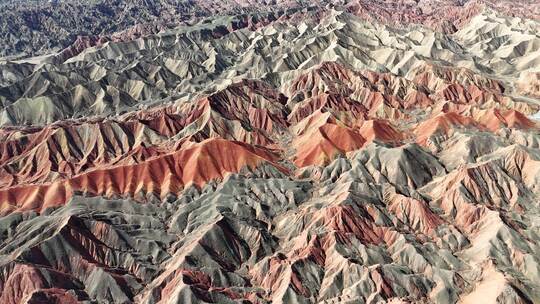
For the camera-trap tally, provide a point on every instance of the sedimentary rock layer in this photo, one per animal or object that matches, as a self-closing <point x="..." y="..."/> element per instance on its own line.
<point x="360" y="152"/>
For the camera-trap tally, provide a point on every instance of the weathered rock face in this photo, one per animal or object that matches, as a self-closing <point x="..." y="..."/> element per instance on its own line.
<point x="367" y="152"/>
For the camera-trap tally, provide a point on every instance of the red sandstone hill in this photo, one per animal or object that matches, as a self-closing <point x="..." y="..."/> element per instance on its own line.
<point x="169" y="173"/>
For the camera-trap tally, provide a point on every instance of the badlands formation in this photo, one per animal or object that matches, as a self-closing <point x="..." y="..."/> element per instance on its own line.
<point x="272" y="152"/>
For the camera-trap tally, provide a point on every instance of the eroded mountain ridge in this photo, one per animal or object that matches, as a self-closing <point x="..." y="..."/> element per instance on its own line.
<point x="317" y="155"/>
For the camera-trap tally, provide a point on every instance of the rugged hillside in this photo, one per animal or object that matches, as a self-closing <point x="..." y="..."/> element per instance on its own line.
<point x="366" y="152"/>
<point x="39" y="27"/>
<point x="32" y="27"/>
